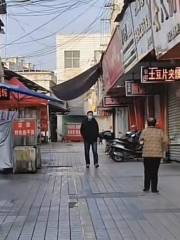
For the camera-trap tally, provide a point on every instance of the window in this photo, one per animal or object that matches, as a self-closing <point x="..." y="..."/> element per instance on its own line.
<point x="71" y="59"/>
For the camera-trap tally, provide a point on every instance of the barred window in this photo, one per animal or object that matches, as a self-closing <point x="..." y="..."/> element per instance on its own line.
<point x="71" y="59"/>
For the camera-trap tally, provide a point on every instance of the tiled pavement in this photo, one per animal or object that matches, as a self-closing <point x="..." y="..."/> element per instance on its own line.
<point x="65" y="201"/>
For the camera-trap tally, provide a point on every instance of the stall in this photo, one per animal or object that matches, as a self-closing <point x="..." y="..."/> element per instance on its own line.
<point x="31" y="120"/>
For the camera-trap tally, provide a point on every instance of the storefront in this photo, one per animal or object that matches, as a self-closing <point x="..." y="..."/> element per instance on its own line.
<point x="120" y="106"/>
<point x="166" y="32"/>
<point x="174" y="120"/>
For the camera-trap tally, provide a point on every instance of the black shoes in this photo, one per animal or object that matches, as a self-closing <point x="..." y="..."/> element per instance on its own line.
<point x="96" y="165"/>
<point x="153" y="191"/>
<point x="145" y="190"/>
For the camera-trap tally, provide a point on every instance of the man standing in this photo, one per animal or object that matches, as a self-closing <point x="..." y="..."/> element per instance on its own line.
<point x="154" y="145"/>
<point x="90" y="132"/>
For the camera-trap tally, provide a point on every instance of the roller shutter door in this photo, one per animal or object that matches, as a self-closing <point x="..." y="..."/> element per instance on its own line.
<point x="174" y="120"/>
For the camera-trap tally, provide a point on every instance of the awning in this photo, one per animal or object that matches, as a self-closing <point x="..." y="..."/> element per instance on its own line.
<point x="78" y="85"/>
<point x="28" y="92"/>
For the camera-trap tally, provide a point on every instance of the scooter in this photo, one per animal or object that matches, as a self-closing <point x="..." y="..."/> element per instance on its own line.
<point x="127" y="148"/>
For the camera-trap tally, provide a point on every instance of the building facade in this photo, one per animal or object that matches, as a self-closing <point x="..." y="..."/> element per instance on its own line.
<point x="76" y="54"/>
<point x="46" y="79"/>
<point x="143" y="79"/>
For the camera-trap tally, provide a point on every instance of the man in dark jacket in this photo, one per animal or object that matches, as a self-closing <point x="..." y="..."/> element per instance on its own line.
<point x="90" y="133"/>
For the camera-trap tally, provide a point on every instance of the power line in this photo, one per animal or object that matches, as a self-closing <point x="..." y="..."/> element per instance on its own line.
<point x="40" y="26"/>
<point x="62" y="28"/>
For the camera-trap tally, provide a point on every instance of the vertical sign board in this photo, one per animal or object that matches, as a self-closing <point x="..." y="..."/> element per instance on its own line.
<point x="166" y="25"/>
<point x="112" y="62"/>
<point x="128" y="40"/>
<point x="141" y="16"/>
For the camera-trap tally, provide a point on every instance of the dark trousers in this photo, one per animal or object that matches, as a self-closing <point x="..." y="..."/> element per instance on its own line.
<point x="151" y="167"/>
<point x="87" y="146"/>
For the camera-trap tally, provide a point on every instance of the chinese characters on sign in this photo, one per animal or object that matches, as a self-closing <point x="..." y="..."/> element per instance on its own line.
<point x="155" y="74"/>
<point x="4" y="94"/>
<point x="25" y="128"/>
<point x="142" y="24"/>
<point x="166" y="24"/>
<point x="115" y="101"/>
<point x="134" y="89"/>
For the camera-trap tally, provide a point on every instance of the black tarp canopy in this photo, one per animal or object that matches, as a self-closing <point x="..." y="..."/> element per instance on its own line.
<point x="78" y="85"/>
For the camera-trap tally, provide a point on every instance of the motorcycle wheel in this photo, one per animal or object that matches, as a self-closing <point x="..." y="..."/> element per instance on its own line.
<point x="118" y="158"/>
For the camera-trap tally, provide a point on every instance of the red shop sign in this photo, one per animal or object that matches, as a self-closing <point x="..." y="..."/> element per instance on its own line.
<point x="25" y="127"/>
<point x="115" y="101"/>
<point x="157" y="74"/>
<point x="112" y="62"/>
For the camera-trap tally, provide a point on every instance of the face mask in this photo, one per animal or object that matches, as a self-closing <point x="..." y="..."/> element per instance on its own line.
<point x="90" y="117"/>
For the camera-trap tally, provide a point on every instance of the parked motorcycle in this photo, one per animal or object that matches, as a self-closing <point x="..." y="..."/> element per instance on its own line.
<point x="108" y="136"/>
<point x="126" y="148"/>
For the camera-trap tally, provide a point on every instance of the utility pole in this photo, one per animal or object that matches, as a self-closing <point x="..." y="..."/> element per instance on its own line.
<point x="3" y="10"/>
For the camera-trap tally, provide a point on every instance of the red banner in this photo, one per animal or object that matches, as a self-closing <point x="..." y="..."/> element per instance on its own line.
<point x="44" y="119"/>
<point x="112" y="62"/>
<point x="25" y="127"/>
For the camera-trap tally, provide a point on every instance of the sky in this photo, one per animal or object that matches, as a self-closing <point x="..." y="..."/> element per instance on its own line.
<point x="31" y="28"/>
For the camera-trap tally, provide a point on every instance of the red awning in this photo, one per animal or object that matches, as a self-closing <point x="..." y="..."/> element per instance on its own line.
<point x="18" y="100"/>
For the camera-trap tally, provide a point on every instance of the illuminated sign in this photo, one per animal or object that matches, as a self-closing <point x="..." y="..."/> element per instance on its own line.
<point x="157" y="74"/>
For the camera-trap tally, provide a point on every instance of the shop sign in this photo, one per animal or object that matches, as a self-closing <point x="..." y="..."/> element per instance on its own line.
<point x="4" y="94"/>
<point x="141" y="17"/>
<point x="25" y="127"/>
<point x="112" y="62"/>
<point x="128" y="40"/>
<point x="157" y="74"/>
<point x="110" y="101"/>
<point x="166" y="24"/>
<point x="135" y="89"/>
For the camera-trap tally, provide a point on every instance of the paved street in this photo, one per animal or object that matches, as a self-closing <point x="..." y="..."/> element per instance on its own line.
<point x="65" y="201"/>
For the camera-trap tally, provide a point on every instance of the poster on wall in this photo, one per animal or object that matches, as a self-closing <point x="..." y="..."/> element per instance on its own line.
<point x="141" y="17"/>
<point x="166" y="25"/>
<point x="128" y="40"/>
<point x="112" y="62"/>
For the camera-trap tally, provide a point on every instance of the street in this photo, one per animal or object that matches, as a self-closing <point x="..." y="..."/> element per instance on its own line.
<point x="64" y="200"/>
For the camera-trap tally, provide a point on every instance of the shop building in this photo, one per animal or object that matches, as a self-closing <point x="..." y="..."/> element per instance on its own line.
<point x="148" y="53"/>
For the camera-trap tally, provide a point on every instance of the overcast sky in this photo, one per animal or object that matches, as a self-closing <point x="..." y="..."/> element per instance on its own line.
<point x="31" y="29"/>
